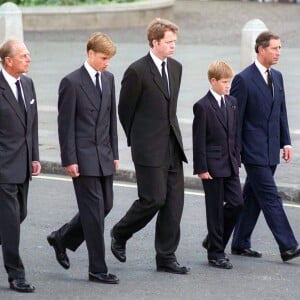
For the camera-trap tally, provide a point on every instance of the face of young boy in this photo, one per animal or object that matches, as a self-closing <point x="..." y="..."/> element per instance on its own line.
<point x="222" y="86"/>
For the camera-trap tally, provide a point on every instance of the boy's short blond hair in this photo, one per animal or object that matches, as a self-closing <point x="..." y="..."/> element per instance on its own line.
<point x="101" y="43"/>
<point x="219" y="70"/>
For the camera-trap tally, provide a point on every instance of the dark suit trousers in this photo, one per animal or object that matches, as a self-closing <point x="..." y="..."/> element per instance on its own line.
<point x="95" y="199"/>
<point x="223" y="202"/>
<point x="13" y="211"/>
<point x="260" y="193"/>
<point x="161" y="191"/>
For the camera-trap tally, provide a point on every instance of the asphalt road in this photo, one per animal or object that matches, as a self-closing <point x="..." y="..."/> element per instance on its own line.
<point x="51" y="203"/>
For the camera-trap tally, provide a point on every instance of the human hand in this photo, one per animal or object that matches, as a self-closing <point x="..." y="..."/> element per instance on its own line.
<point x="287" y="154"/>
<point x="205" y="176"/>
<point x="36" y="168"/>
<point x="116" y="163"/>
<point x="72" y="170"/>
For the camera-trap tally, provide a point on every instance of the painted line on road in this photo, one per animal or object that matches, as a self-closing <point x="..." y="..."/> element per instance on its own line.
<point x="133" y="186"/>
<point x="61" y="178"/>
<point x="120" y="184"/>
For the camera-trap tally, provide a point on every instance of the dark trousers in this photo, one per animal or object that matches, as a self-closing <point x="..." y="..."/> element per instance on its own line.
<point x="260" y="193"/>
<point x="223" y="202"/>
<point x="161" y="191"/>
<point x="13" y="211"/>
<point x="95" y="199"/>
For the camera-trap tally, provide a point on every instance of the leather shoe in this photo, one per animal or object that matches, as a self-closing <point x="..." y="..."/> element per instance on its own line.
<point x="205" y="243"/>
<point x="60" y="251"/>
<point x="118" y="249"/>
<point x="221" y="263"/>
<point x="21" y="285"/>
<point x="173" y="267"/>
<point x="103" y="278"/>
<point x="290" y="254"/>
<point x="245" y="252"/>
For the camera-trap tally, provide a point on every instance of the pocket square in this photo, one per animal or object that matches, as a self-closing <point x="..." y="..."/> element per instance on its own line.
<point x="32" y="101"/>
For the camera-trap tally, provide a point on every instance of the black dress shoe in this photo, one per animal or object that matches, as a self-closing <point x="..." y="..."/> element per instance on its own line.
<point x="103" y="278"/>
<point x="205" y="243"/>
<point x="21" y="285"/>
<point x="173" y="267"/>
<point x="221" y="263"/>
<point x="118" y="249"/>
<point x="60" y="251"/>
<point x="245" y="252"/>
<point x="290" y="254"/>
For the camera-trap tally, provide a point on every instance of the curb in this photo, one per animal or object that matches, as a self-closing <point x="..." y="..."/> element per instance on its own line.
<point x="288" y="192"/>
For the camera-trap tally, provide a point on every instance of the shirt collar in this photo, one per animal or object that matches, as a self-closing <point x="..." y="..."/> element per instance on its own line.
<point x="217" y="96"/>
<point x="92" y="72"/>
<point x="157" y="61"/>
<point x="10" y="79"/>
<point x="262" y="69"/>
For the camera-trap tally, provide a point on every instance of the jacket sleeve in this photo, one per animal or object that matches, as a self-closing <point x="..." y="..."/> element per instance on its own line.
<point x="199" y="139"/>
<point x="66" y="122"/>
<point x="129" y="96"/>
<point x="113" y="123"/>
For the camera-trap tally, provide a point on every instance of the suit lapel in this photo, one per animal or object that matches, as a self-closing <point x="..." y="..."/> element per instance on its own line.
<point x="230" y="108"/>
<point x="105" y="93"/>
<point x="11" y="99"/>
<point x="157" y="77"/>
<point x="259" y="83"/>
<point x="278" y="90"/>
<point x="27" y="93"/>
<point x="171" y="73"/>
<point x="89" y="88"/>
<point x="217" y="109"/>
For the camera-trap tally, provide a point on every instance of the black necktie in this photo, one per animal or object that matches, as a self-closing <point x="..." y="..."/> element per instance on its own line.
<point x="20" y="98"/>
<point x="223" y="109"/>
<point x="164" y="76"/>
<point x="98" y="85"/>
<point x="270" y="81"/>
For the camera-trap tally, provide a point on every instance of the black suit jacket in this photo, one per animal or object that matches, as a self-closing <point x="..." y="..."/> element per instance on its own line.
<point x="215" y="144"/>
<point x="87" y="130"/>
<point x="18" y="135"/>
<point x="146" y="111"/>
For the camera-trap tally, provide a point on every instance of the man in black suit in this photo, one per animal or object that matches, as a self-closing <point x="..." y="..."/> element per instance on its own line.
<point x="147" y="111"/>
<point x="19" y="154"/>
<point x="87" y="129"/>
<point x="216" y="154"/>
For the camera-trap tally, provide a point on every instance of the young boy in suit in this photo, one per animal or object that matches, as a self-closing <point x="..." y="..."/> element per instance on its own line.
<point x="216" y="155"/>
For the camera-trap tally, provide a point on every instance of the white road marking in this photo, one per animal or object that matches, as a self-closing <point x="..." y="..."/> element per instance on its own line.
<point x="133" y="186"/>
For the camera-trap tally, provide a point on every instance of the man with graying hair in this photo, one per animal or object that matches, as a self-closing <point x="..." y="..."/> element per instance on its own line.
<point x="259" y="90"/>
<point x="19" y="154"/>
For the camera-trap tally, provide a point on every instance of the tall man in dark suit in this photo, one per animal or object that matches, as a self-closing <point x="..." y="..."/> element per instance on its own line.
<point x="87" y="129"/>
<point x="147" y="111"/>
<point x="19" y="154"/>
<point x="216" y="155"/>
<point x="264" y="131"/>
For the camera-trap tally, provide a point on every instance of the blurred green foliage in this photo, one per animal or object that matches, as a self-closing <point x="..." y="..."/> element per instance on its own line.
<point x="64" y="2"/>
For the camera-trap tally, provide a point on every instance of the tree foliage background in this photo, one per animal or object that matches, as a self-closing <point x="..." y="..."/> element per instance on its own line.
<point x="64" y="2"/>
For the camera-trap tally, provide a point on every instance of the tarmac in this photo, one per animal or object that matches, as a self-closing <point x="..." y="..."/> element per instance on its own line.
<point x="209" y="30"/>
